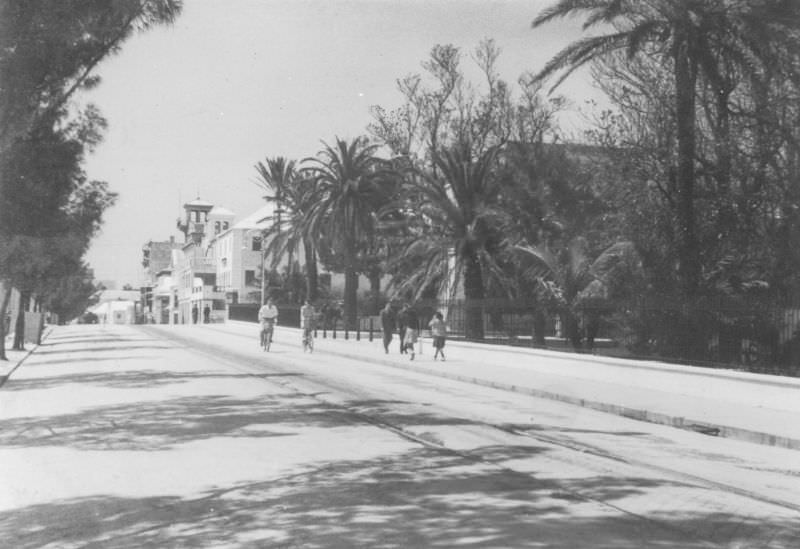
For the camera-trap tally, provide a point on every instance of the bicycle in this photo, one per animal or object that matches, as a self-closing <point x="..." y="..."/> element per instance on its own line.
<point x="267" y="330"/>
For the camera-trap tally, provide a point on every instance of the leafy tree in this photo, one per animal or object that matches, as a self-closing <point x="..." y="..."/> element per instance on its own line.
<point x="456" y="138"/>
<point x="53" y="213"/>
<point x="350" y="184"/>
<point x="450" y="111"/>
<point x="690" y="36"/>
<point x="48" y="52"/>
<point x="68" y="296"/>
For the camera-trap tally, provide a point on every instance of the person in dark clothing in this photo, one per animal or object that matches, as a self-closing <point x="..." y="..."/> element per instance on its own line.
<point x="206" y="314"/>
<point x="412" y="330"/>
<point x="388" y="324"/>
<point x="401" y="326"/>
<point x="195" y="314"/>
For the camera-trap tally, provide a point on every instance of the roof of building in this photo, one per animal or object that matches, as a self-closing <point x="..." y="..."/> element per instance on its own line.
<point x="221" y="211"/>
<point x="197" y="203"/>
<point x="259" y="219"/>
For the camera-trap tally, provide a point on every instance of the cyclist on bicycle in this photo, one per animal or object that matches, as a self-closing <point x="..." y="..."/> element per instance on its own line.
<point x="268" y="317"/>
<point x="307" y="317"/>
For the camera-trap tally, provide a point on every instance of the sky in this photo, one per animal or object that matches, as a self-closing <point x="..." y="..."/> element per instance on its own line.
<point x="194" y="106"/>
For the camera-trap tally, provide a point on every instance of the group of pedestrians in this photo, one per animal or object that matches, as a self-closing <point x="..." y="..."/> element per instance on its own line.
<point x="406" y="323"/>
<point x="206" y="314"/>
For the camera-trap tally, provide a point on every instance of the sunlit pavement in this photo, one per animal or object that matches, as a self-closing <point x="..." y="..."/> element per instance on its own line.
<point x="112" y="438"/>
<point x="757" y="408"/>
<point x="108" y="433"/>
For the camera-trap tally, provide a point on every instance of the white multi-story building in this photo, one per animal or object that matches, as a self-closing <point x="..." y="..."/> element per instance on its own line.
<point x="194" y="273"/>
<point x="238" y="257"/>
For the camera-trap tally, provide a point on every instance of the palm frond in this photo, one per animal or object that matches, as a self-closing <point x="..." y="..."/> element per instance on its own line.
<point x="579" y="53"/>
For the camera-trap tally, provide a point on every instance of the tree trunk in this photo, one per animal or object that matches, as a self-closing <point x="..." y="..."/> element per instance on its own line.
<point x="350" y="297"/>
<point x="539" y="322"/>
<point x="571" y="328"/>
<point x="4" y="326"/>
<point x="474" y="293"/>
<point x="685" y="79"/>
<point x="375" y="290"/>
<point x="19" y="328"/>
<point x="312" y="278"/>
<point x="350" y="280"/>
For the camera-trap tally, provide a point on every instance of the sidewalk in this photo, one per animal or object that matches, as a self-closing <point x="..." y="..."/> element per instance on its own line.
<point x="752" y="407"/>
<point x="15" y="358"/>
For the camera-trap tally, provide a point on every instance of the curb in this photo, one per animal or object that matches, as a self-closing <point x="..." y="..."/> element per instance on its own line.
<point x="47" y="331"/>
<point x="679" y="422"/>
<point x="724" y="431"/>
<point x="703" y="427"/>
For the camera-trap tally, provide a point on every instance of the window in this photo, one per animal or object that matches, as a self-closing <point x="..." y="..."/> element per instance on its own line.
<point x="217" y="227"/>
<point x="256" y="247"/>
<point x="249" y="278"/>
<point x="224" y="225"/>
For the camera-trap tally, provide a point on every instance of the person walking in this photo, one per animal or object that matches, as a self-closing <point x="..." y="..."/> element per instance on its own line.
<point x="438" y="333"/>
<point x="401" y="326"/>
<point x="206" y="314"/>
<point x="412" y="330"/>
<point x="195" y="314"/>
<point x="307" y="317"/>
<point x="388" y="325"/>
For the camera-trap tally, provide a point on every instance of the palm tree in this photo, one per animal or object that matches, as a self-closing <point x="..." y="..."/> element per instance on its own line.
<point x="348" y="180"/>
<point x="294" y="198"/>
<point x="568" y="279"/>
<point x="692" y="35"/>
<point x="455" y="212"/>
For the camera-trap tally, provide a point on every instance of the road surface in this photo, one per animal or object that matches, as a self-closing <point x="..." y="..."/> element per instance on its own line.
<point x="192" y="436"/>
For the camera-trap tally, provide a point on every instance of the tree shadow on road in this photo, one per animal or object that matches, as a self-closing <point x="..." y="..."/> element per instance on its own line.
<point x="53" y="341"/>
<point x="102" y="349"/>
<point x="416" y="498"/>
<point x="126" y="379"/>
<point x="161" y="425"/>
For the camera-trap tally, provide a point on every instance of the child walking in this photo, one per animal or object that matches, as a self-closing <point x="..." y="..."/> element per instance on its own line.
<point x="439" y="334"/>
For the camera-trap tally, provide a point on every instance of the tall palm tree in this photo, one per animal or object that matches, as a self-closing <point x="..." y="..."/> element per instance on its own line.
<point x="294" y="198"/>
<point x="691" y="35"/>
<point x="456" y="210"/>
<point x="348" y="181"/>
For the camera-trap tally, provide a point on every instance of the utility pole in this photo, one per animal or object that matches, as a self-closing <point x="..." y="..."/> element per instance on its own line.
<point x="263" y="270"/>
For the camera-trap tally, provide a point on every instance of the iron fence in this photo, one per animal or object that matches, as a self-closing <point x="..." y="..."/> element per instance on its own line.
<point x="754" y="335"/>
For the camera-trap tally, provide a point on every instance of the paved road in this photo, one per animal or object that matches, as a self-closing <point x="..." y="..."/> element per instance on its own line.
<point x="193" y="437"/>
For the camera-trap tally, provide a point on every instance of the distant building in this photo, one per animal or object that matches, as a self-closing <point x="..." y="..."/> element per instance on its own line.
<point x="117" y="306"/>
<point x="157" y="261"/>
<point x="219" y="263"/>
<point x="194" y="271"/>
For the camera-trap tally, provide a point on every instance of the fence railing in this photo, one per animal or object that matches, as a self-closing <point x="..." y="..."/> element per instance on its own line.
<point x="752" y="335"/>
